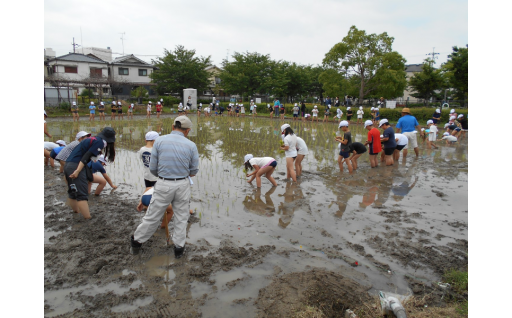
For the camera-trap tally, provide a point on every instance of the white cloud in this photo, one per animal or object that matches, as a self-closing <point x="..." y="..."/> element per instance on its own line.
<point x="298" y="31"/>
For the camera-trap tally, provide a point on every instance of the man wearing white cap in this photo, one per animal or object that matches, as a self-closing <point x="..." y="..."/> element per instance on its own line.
<point x="145" y="155"/>
<point x="174" y="159"/>
<point x="98" y="166"/>
<point x="63" y="155"/>
<point x="74" y="111"/>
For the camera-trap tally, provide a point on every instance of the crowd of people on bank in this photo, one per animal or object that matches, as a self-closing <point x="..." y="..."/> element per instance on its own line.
<point x="171" y="161"/>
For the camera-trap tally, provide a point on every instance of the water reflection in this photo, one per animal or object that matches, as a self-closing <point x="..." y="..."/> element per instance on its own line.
<point x="292" y="195"/>
<point x="255" y="204"/>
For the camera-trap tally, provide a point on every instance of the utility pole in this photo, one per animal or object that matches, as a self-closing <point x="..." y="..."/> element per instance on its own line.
<point x="122" y="40"/>
<point x="74" y="45"/>
<point x="433" y="56"/>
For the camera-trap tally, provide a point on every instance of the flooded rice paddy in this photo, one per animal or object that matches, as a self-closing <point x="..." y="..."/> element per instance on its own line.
<point x="387" y="228"/>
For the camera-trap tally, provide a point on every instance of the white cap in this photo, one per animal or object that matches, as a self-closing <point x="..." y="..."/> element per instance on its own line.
<point x="161" y="99"/>
<point x="343" y="123"/>
<point x="150" y="102"/>
<point x="314" y="106"/>
<point x="82" y="134"/>
<point x="132" y="105"/>
<point x="368" y="123"/>
<point x="114" y="102"/>
<point x="446" y="134"/>
<point x="360" y="107"/>
<point x="452" y="117"/>
<point x="382" y="122"/>
<point x="348" y="108"/>
<point x="329" y="105"/>
<point x="248" y="157"/>
<point x="158" y="103"/>
<point x="452" y="111"/>
<point x="461" y="115"/>
<point x="74" y="103"/>
<point x="152" y="135"/>
<point x="102" y="159"/>
<point x="200" y="104"/>
<point x="92" y="103"/>
<point x="446" y="125"/>
<point x="295" y="104"/>
<point x="283" y="127"/>
<point x="101" y="103"/>
<point x="438" y="111"/>
<point x="268" y="105"/>
<point x="60" y="142"/>
<point x="430" y="121"/>
<point x="251" y="100"/>
<point x="181" y="104"/>
<point x="373" y="108"/>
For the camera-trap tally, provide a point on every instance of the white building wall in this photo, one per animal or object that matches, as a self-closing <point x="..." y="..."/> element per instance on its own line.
<point x="83" y="69"/>
<point x="104" y="54"/>
<point x="133" y="74"/>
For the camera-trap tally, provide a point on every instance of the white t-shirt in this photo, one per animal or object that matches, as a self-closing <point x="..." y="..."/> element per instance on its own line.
<point x="145" y="155"/>
<point x="340" y="113"/>
<point x="260" y="162"/>
<point x="291" y="142"/>
<point x="48" y="145"/>
<point x="315" y="112"/>
<point x="180" y="107"/>
<point x="360" y="113"/>
<point x="149" y="107"/>
<point x="432" y="135"/>
<point x="302" y="148"/>
<point x="402" y="140"/>
<point x="450" y="138"/>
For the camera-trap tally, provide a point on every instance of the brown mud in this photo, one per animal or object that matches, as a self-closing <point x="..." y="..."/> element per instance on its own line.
<point x="328" y="241"/>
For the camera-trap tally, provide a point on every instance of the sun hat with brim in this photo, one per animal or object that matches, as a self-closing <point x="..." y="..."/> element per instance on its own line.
<point x="151" y="135"/>
<point x="406" y="110"/>
<point x="60" y="142"/>
<point x="368" y="123"/>
<point x="343" y="123"/>
<point x="108" y="134"/>
<point x="283" y="127"/>
<point x="382" y="122"/>
<point x="248" y="157"/>
<point x="82" y="134"/>
<point x="102" y="159"/>
<point x="185" y="122"/>
<point x="430" y="121"/>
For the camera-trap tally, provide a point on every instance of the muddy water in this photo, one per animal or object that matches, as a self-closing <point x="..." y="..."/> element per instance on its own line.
<point x="409" y="220"/>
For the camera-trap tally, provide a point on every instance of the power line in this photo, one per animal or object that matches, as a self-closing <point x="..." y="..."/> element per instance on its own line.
<point x="433" y="55"/>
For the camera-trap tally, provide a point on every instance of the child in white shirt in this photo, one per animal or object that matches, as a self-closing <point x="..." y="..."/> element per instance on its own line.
<point x="432" y="135"/>
<point x="360" y="114"/>
<point x="315" y="113"/>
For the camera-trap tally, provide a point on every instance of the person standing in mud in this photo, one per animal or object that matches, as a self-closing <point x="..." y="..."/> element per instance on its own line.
<point x="75" y="169"/>
<point x="407" y="124"/>
<point x="174" y="159"/>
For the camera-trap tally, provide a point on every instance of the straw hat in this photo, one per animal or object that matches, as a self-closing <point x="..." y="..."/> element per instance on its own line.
<point x="406" y="110"/>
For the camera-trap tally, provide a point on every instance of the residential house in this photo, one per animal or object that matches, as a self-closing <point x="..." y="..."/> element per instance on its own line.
<point x="214" y="80"/>
<point x="410" y="70"/>
<point x="131" y="72"/>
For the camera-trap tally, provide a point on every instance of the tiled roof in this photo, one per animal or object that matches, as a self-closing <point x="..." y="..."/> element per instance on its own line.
<point x="77" y="57"/>
<point x="414" y="68"/>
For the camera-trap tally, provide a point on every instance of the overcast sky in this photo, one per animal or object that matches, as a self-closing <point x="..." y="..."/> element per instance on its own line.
<point x="297" y="31"/>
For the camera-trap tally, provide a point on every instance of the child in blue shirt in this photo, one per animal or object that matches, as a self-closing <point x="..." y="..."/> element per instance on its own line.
<point x="92" y="111"/>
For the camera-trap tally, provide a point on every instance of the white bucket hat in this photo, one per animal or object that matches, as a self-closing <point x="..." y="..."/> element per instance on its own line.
<point x="248" y="157"/>
<point x="382" y="122"/>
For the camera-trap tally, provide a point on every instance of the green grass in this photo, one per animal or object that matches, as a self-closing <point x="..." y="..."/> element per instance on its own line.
<point x="457" y="279"/>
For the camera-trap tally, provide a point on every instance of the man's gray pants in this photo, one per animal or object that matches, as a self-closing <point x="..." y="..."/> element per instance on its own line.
<point x="167" y="192"/>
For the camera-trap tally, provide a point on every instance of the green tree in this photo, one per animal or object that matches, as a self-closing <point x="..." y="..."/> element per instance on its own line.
<point x="247" y="74"/>
<point x="87" y="93"/>
<point x="380" y="70"/>
<point x="425" y="83"/>
<point x="456" y="70"/>
<point x="333" y="82"/>
<point x="180" y="69"/>
<point x="139" y="92"/>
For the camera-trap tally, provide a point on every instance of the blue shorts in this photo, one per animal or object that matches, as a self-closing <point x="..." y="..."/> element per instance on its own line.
<point x="345" y="154"/>
<point x="273" y="164"/>
<point x="457" y="129"/>
<point x="53" y="154"/>
<point x="146" y="199"/>
<point x="295" y="115"/>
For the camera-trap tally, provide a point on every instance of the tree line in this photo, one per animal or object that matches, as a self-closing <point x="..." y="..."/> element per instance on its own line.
<point x="361" y="65"/>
